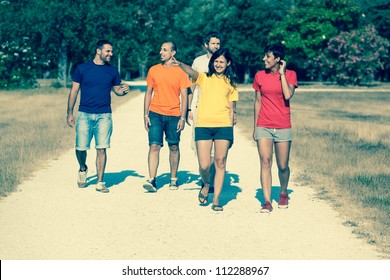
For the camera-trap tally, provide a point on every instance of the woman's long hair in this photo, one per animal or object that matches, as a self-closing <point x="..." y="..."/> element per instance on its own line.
<point x="229" y="71"/>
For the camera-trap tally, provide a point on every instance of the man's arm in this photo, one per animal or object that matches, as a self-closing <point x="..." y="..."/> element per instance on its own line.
<point x="183" y="109"/>
<point x="147" y="100"/>
<point x="71" y="102"/>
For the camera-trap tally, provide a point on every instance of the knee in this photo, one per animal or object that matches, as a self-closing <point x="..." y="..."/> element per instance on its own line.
<point x="204" y="168"/>
<point x="154" y="148"/>
<point x="266" y="162"/>
<point x="220" y="163"/>
<point x="174" y="148"/>
<point x="284" y="168"/>
<point x="101" y="152"/>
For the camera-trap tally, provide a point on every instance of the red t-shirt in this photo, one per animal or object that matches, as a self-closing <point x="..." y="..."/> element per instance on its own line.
<point x="274" y="110"/>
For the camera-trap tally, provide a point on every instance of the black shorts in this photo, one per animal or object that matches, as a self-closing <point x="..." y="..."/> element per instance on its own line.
<point x="214" y="133"/>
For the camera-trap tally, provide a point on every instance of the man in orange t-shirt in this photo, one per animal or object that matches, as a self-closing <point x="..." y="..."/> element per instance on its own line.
<point x="165" y="109"/>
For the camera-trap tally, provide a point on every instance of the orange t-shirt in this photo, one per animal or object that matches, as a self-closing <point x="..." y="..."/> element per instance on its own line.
<point x="167" y="82"/>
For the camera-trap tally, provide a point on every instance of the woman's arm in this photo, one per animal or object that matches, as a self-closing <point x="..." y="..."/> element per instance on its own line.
<point x="288" y="90"/>
<point x="256" y="110"/>
<point x="186" y="68"/>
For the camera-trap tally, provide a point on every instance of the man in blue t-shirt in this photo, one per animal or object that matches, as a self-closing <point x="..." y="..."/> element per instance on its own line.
<point x="94" y="79"/>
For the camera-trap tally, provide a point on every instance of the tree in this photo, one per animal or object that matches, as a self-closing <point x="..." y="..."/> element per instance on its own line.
<point x="309" y="25"/>
<point x="18" y="60"/>
<point x="244" y="24"/>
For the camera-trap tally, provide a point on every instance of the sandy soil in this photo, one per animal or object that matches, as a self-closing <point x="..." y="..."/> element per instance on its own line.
<point x="51" y="218"/>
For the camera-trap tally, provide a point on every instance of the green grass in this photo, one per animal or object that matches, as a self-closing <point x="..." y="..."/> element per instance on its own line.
<point x="341" y="148"/>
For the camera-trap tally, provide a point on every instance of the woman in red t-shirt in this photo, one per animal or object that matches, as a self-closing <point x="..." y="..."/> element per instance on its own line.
<point x="274" y="87"/>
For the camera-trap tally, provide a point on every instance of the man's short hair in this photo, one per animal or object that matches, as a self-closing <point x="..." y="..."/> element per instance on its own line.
<point x="173" y="46"/>
<point x="211" y="34"/>
<point x="101" y="43"/>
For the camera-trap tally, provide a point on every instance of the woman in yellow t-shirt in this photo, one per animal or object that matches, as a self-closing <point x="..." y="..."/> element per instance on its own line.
<point x="215" y="119"/>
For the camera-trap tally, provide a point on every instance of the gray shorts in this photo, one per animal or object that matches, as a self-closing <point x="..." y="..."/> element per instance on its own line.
<point x="276" y="134"/>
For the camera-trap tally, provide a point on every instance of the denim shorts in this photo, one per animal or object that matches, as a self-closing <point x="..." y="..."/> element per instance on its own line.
<point x="161" y="124"/>
<point x="214" y="133"/>
<point x="276" y="134"/>
<point x="88" y="126"/>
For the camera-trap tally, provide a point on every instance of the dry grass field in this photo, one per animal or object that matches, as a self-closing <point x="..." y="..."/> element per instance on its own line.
<point x="33" y="129"/>
<point x="341" y="148"/>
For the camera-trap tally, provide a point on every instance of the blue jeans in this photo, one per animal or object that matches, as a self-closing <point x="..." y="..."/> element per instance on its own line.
<point x="161" y="124"/>
<point x="88" y="126"/>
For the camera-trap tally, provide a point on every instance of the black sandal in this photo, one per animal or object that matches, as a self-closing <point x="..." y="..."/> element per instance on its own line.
<point x="216" y="207"/>
<point x="201" y="197"/>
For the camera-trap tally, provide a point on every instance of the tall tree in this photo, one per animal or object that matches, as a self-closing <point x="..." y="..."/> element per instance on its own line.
<point x="308" y="26"/>
<point x="245" y="26"/>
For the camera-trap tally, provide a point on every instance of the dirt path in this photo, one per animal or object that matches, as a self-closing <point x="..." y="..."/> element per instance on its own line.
<point x="51" y="218"/>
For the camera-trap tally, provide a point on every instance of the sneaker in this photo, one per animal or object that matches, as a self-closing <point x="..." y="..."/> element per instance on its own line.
<point x="101" y="187"/>
<point x="283" y="201"/>
<point x="82" y="178"/>
<point x="150" y="185"/>
<point x="173" y="185"/>
<point x="267" y="207"/>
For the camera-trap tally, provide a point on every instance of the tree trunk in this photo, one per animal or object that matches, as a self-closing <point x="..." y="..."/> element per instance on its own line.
<point x="62" y="61"/>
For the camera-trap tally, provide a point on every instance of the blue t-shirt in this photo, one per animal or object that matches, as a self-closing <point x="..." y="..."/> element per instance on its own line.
<point x="96" y="82"/>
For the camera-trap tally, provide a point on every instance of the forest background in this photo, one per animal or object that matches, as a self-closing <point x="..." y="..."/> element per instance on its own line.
<point x="338" y="41"/>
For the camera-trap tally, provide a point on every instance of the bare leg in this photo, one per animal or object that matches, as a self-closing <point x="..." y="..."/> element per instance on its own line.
<point x="101" y="159"/>
<point x="82" y="159"/>
<point x="203" y="151"/>
<point x="174" y="159"/>
<point x="282" y="152"/>
<point x="265" y="148"/>
<point x="220" y="158"/>
<point x="153" y="159"/>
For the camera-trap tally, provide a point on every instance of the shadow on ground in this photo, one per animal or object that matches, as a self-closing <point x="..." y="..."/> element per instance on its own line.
<point x="114" y="178"/>
<point x="275" y="191"/>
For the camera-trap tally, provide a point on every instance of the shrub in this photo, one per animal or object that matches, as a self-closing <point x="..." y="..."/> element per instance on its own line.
<point x="18" y="65"/>
<point x="353" y="58"/>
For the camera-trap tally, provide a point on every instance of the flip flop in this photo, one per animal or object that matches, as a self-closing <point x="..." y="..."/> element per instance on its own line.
<point x="201" y="197"/>
<point x="216" y="207"/>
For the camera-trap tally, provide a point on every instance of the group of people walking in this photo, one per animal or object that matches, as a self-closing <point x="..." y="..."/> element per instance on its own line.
<point x="204" y="94"/>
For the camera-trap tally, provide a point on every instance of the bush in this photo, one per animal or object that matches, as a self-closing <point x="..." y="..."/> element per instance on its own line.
<point x="353" y="58"/>
<point x="18" y="65"/>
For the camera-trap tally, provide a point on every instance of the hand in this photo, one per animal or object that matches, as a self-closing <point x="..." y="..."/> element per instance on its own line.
<point x="189" y="117"/>
<point x="282" y="67"/>
<point x="125" y="89"/>
<point x="175" y="62"/>
<point x="147" y="123"/>
<point x="70" y="120"/>
<point x="234" y="119"/>
<point x="180" y="125"/>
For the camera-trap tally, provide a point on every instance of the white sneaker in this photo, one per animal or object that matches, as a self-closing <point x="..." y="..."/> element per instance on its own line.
<point x="82" y="178"/>
<point x="173" y="185"/>
<point x="150" y="185"/>
<point x="101" y="187"/>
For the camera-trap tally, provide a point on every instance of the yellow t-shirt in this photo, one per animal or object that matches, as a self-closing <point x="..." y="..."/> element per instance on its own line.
<point x="166" y="83"/>
<point x="213" y="106"/>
